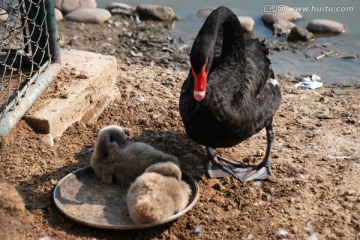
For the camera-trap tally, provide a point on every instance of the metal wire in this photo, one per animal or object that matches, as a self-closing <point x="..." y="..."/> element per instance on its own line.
<point x="25" y="50"/>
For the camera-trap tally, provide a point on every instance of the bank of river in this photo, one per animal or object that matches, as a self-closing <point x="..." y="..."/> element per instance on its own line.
<point x="332" y="69"/>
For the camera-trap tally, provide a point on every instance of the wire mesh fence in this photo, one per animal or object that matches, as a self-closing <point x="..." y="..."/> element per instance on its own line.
<point x="27" y="39"/>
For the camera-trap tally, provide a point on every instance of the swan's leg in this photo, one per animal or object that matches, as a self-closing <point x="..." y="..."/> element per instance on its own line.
<point x="218" y="167"/>
<point x="263" y="169"/>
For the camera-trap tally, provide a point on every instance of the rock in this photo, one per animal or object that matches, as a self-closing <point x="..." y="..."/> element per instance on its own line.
<point x="283" y="27"/>
<point x="204" y="13"/>
<point x="58" y="15"/>
<point x="300" y="34"/>
<point x="247" y="23"/>
<point x="120" y="8"/>
<point x="48" y="139"/>
<point x="286" y="13"/>
<point x="89" y="15"/>
<point x="67" y="6"/>
<point x="325" y="26"/>
<point x="149" y="11"/>
<point x="3" y="15"/>
<point x="5" y="5"/>
<point x="259" y="153"/>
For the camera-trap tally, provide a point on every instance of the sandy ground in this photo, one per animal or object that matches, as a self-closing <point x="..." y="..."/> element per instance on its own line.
<point x="315" y="160"/>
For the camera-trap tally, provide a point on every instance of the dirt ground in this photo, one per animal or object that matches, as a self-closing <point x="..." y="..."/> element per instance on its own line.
<point x="315" y="159"/>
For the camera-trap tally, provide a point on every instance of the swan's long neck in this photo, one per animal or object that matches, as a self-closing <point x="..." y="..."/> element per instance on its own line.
<point x="233" y="46"/>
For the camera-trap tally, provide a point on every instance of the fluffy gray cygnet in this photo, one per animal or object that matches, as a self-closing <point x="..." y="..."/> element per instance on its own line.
<point x="116" y="159"/>
<point x="157" y="194"/>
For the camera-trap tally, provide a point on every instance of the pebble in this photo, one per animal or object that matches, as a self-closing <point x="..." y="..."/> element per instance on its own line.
<point x="48" y="139"/>
<point x="67" y="6"/>
<point x="300" y="34"/>
<point x="286" y="13"/>
<point x="149" y="11"/>
<point x="259" y="153"/>
<point x="198" y="229"/>
<point x="247" y="23"/>
<point x="218" y="186"/>
<point x="45" y="238"/>
<point x="89" y="15"/>
<point x="283" y="27"/>
<point x="58" y="15"/>
<point x="325" y="26"/>
<point x="250" y="237"/>
<point x="3" y="15"/>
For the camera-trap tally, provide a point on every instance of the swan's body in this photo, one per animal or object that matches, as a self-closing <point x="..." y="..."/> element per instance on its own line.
<point x="116" y="158"/>
<point x="157" y="194"/>
<point x="228" y="98"/>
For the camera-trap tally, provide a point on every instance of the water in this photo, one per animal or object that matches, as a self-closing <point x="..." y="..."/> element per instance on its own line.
<point x="331" y="69"/>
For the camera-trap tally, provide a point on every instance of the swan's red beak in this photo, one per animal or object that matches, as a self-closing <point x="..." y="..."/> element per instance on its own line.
<point x="200" y="83"/>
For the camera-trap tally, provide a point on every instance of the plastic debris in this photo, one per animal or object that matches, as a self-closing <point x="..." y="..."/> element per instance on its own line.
<point x="182" y="47"/>
<point x="313" y="236"/>
<point x="310" y="82"/>
<point x="324" y="55"/>
<point x="274" y="81"/>
<point x="335" y="91"/>
<point x="138" y="54"/>
<point x="141" y="99"/>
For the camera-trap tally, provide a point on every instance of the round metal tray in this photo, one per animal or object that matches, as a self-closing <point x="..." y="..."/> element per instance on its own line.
<point x="83" y="197"/>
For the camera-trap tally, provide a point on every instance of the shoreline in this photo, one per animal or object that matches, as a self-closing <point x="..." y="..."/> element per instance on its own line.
<point x="152" y="43"/>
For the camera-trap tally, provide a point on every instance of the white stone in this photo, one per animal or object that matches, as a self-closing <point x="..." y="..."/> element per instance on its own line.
<point x="48" y="140"/>
<point x="3" y="15"/>
<point x="325" y="26"/>
<point x="247" y="23"/>
<point x="150" y="11"/>
<point x="89" y="15"/>
<point x="67" y="6"/>
<point x="58" y="15"/>
<point x="284" y="13"/>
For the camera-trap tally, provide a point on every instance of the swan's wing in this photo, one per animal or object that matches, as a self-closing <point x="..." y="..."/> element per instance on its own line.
<point x="257" y="70"/>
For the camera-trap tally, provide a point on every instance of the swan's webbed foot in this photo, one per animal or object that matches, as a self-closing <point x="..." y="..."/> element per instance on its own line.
<point x="219" y="167"/>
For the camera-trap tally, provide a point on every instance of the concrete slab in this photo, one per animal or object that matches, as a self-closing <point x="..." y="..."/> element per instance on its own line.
<point x="81" y="92"/>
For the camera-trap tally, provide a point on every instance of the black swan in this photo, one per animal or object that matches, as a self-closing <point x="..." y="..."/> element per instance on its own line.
<point x="228" y="98"/>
